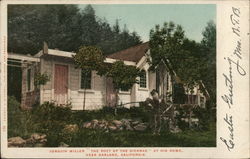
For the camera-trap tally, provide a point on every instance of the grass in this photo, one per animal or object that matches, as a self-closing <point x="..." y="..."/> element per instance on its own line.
<point x="51" y="120"/>
<point x="189" y="138"/>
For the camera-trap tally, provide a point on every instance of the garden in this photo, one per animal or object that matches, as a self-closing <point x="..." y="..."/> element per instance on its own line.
<point x="49" y="125"/>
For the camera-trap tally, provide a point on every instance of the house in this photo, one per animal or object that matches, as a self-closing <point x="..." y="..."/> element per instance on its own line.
<point x="66" y="81"/>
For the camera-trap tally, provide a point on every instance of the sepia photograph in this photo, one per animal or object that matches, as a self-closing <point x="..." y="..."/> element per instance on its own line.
<point x="111" y="75"/>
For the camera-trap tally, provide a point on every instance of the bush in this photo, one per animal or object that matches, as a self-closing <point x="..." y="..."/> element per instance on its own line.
<point x="203" y="115"/>
<point x="51" y="111"/>
<point x="20" y="122"/>
<point x="51" y="119"/>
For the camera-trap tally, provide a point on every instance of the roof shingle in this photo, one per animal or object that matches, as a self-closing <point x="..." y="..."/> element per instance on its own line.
<point x="134" y="53"/>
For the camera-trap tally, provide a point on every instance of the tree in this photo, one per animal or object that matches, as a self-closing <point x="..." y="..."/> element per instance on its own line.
<point x="64" y="27"/>
<point x="124" y="76"/>
<point x="185" y="56"/>
<point x="30" y="25"/>
<point x="166" y="43"/>
<point x="208" y="45"/>
<point x="88" y="58"/>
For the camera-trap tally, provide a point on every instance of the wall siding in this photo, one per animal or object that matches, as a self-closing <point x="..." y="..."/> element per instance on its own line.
<point x="125" y="98"/>
<point x="96" y="97"/>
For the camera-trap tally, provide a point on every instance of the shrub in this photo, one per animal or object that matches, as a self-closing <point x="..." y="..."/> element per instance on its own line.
<point x="51" y="119"/>
<point x="203" y="115"/>
<point x="51" y="111"/>
<point x="20" y="122"/>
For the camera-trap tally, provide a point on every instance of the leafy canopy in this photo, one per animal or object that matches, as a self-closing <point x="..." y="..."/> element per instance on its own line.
<point x="168" y="43"/>
<point x="89" y="58"/>
<point x="124" y="76"/>
<point x="208" y="45"/>
<point x="165" y="41"/>
<point x="65" y="27"/>
<point x="191" y="61"/>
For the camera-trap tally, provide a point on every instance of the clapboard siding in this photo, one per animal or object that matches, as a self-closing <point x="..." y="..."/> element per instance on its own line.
<point x="47" y="95"/>
<point x="152" y="81"/>
<point x="74" y="78"/>
<point x="95" y="98"/>
<point x="47" y="68"/>
<point x="125" y="98"/>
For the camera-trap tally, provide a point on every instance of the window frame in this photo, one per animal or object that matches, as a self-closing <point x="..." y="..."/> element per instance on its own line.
<point x="146" y="81"/>
<point x="80" y="81"/>
<point x="30" y="85"/>
<point x="124" y="92"/>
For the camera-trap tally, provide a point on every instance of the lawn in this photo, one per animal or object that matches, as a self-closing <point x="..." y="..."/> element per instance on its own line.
<point x="92" y="138"/>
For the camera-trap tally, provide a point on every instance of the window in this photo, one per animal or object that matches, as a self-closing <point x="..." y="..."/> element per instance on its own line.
<point x="192" y="99"/>
<point x="143" y="79"/>
<point x="29" y="79"/>
<point x="85" y="80"/>
<point x="124" y="90"/>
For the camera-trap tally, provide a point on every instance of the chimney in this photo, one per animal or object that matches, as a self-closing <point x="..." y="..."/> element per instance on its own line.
<point x="45" y="48"/>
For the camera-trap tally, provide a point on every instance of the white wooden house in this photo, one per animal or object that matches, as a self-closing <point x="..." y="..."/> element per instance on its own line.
<point x="65" y="84"/>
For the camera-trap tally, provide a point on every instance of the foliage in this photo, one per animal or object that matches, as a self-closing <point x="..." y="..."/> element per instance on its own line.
<point x="178" y="93"/>
<point x="165" y="42"/>
<point x="169" y="44"/>
<point x="14" y="82"/>
<point x="52" y="112"/>
<point x="193" y="62"/>
<point x="209" y="35"/>
<point x="203" y="115"/>
<point x="41" y="79"/>
<point x="20" y="122"/>
<point x="124" y="76"/>
<point x="51" y="120"/>
<point x="65" y="27"/>
<point x="107" y="113"/>
<point x="95" y="138"/>
<point x="208" y="44"/>
<point x="89" y="58"/>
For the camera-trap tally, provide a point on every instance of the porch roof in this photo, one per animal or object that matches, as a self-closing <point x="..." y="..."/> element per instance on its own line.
<point x="23" y="57"/>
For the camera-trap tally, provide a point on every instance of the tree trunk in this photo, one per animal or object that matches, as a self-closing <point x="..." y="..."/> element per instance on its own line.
<point x="84" y="93"/>
<point x="84" y="98"/>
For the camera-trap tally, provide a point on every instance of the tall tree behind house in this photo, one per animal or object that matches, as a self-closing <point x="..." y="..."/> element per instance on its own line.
<point x="65" y="27"/>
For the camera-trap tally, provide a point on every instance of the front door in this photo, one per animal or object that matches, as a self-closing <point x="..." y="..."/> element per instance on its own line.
<point x="61" y="84"/>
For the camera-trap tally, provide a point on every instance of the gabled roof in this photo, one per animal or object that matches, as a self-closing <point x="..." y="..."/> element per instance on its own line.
<point x="134" y="53"/>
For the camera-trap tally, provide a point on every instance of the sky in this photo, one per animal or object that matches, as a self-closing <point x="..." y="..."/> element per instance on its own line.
<point x="143" y="17"/>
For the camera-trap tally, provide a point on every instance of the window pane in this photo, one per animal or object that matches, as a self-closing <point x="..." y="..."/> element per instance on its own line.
<point x="143" y="80"/>
<point x="85" y="80"/>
